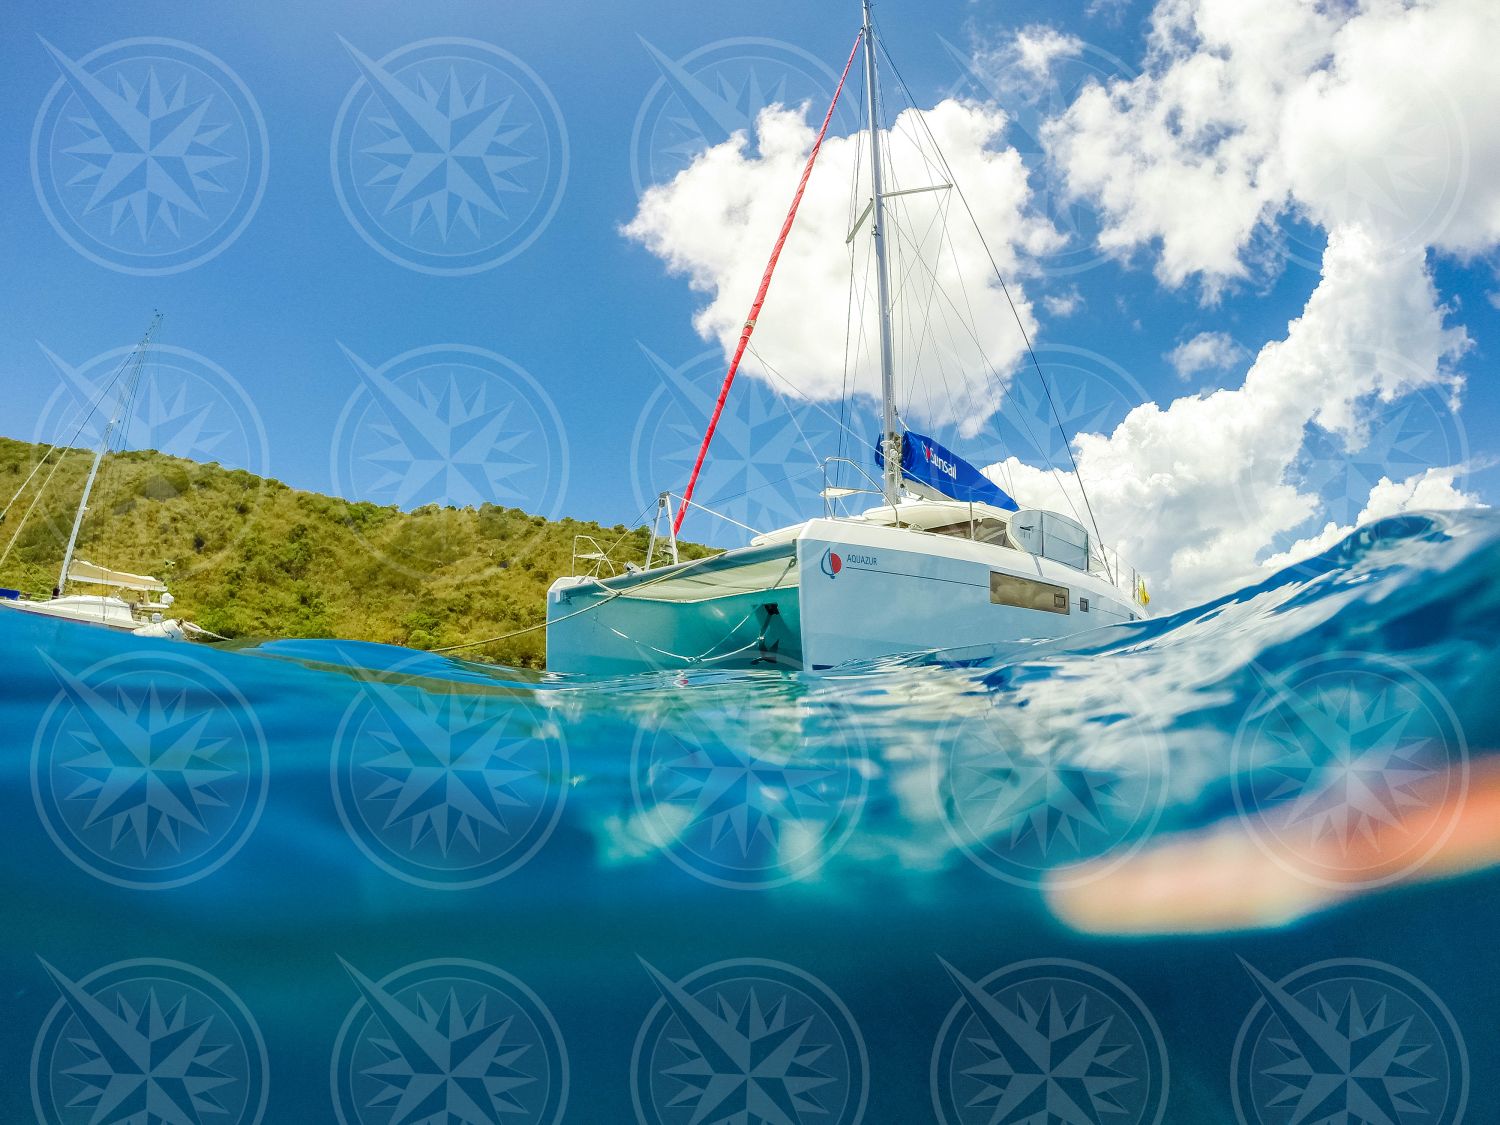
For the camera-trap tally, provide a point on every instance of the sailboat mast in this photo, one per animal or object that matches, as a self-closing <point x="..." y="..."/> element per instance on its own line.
<point x="891" y="439"/>
<point x="127" y="393"/>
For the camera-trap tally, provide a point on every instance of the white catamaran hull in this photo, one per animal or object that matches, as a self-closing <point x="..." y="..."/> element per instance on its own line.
<point x="838" y="591"/>
<point x="95" y="609"/>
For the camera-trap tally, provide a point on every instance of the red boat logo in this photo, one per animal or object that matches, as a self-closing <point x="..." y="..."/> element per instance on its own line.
<point x="831" y="564"/>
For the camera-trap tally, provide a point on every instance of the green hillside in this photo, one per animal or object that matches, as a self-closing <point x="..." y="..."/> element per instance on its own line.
<point x="250" y="557"/>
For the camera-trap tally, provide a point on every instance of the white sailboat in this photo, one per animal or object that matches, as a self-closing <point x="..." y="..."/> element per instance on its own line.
<point x="133" y="603"/>
<point x="946" y="559"/>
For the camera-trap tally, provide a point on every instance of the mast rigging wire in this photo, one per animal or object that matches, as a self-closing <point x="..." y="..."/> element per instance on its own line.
<point x="1005" y="289"/>
<point x="765" y="285"/>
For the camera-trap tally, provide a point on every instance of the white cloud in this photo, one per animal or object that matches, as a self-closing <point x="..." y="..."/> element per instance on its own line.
<point x="1063" y="304"/>
<point x="1207" y="351"/>
<point x="1433" y="490"/>
<point x="716" y="221"/>
<point x="1111" y="10"/>
<point x="1378" y="113"/>
<point x="1035" y="49"/>
<point x="1373" y="120"/>
<point x="1013" y="67"/>
<point x="1194" y="493"/>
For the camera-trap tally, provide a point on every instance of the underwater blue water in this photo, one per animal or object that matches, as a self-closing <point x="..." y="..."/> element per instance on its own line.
<point x="1213" y="867"/>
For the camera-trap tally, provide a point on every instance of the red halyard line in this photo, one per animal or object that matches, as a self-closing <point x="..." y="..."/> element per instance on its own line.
<point x="760" y="296"/>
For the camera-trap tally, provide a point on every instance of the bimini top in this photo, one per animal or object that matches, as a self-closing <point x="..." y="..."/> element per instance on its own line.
<point x="81" y="571"/>
<point x="930" y="467"/>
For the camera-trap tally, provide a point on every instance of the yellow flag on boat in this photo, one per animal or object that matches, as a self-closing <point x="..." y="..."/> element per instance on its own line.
<point x="1141" y="593"/>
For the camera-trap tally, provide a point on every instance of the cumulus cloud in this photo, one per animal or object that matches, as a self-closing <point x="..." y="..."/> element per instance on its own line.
<point x="715" y="223"/>
<point x="1379" y="113"/>
<point x="1034" y="49"/>
<point x="1432" y="490"/>
<point x="1372" y="121"/>
<point x="1207" y="351"/>
<point x="1063" y="304"/>
<point x="1195" y="492"/>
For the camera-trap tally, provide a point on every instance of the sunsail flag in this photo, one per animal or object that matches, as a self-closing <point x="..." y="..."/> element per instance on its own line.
<point x="931" y="465"/>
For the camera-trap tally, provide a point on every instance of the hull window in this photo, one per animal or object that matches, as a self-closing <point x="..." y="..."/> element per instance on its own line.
<point x="1027" y="593"/>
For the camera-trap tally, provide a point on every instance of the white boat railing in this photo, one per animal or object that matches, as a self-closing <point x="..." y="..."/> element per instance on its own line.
<point x="592" y="553"/>
<point x="830" y="492"/>
<point x="665" y="513"/>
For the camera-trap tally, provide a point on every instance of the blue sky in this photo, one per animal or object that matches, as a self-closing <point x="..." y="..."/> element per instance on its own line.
<point x="571" y="352"/>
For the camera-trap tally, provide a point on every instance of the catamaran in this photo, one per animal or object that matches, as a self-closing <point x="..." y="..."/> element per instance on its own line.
<point x="945" y="559"/>
<point x="133" y="603"/>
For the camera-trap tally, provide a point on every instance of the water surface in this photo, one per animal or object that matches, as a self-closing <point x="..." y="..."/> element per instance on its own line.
<point x="1232" y="864"/>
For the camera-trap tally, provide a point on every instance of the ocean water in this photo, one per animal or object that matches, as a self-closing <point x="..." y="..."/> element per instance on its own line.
<point x="1235" y="864"/>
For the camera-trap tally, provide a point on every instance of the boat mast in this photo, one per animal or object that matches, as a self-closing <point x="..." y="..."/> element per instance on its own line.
<point x="127" y="394"/>
<point x="891" y="439"/>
